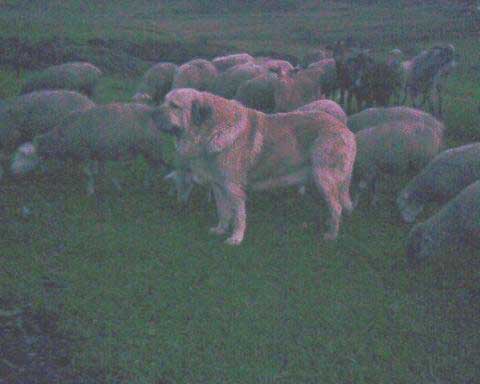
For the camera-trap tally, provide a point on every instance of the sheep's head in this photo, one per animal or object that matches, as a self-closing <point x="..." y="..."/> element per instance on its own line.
<point x="25" y="159"/>
<point x="409" y="207"/>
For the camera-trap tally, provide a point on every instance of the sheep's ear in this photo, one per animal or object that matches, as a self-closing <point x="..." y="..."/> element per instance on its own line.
<point x="200" y="113"/>
<point x="227" y="132"/>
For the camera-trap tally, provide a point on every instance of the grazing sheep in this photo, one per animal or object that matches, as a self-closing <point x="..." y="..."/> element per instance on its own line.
<point x="233" y="148"/>
<point x="452" y="229"/>
<point x="316" y="55"/>
<point x="224" y="62"/>
<point x="199" y="74"/>
<point x="443" y="178"/>
<point x="374" y="83"/>
<point x="258" y="93"/>
<point x="375" y="116"/>
<point x="117" y="131"/>
<point x="35" y="113"/>
<point x="299" y="88"/>
<point x="427" y="73"/>
<point x="328" y="106"/>
<point x="78" y="76"/>
<point x="328" y="79"/>
<point x="228" y="82"/>
<point x="156" y="83"/>
<point x="396" y="147"/>
<point x="344" y="55"/>
<point x="275" y="65"/>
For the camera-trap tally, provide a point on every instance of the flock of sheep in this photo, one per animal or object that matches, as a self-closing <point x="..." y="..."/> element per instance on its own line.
<point x="253" y="123"/>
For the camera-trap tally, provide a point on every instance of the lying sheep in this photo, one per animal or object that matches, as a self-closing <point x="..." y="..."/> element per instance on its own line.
<point x="228" y="82"/>
<point x="156" y="83"/>
<point x="452" y="229"/>
<point x="443" y="178"/>
<point x="115" y="131"/>
<point x="35" y="113"/>
<point x="224" y="62"/>
<point x="258" y="93"/>
<point x="328" y="106"/>
<point x="199" y="74"/>
<point x="76" y="76"/>
<point x="375" y="116"/>
<point x="328" y="78"/>
<point x="396" y="148"/>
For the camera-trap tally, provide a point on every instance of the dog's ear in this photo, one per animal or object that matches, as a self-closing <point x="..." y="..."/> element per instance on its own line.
<point x="227" y="132"/>
<point x="200" y="113"/>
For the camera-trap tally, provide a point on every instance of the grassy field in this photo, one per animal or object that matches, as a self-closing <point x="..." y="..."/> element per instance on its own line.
<point x="145" y="295"/>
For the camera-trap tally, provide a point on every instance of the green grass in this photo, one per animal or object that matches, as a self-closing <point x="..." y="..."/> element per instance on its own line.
<point x="147" y="295"/>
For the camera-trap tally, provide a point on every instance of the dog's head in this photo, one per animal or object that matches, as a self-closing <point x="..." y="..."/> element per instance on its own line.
<point x="202" y="123"/>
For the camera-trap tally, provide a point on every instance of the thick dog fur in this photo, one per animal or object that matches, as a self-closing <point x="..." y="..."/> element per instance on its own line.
<point x="234" y="148"/>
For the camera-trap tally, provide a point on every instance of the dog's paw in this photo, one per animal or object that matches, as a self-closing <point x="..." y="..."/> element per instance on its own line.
<point x="329" y="236"/>
<point x="233" y="240"/>
<point x="218" y="230"/>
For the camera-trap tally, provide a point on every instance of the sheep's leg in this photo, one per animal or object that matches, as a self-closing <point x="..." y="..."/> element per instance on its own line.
<point x="375" y="192"/>
<point x="147" y="179"/>
<point x="224" y="211"/>
<point x="236" y="196"/>
<point x="91" y="170"/>
<point x="327" y="185"/>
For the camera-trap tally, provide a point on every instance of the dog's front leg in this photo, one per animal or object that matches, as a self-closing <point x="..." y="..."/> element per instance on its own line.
<point x="237" y="196"/>
<point x="224" y="211"/>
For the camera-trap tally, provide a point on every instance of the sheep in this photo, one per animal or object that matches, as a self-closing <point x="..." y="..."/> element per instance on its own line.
<point x="225" y="62"/>
<point x="328" y="78"/>
<point x="156" y="83"/>
<point x="227" y="83"/>
<point x="258" y="93"/>
<point x="426" y="75"/>
<point x="371" y="117"/>
<point x="116" y="131"/>
<point x="35" y="113"/>
<point x="275" y="65"/>
<point x="199" y="74"/>
<point x="328" y="106"/>
<point x="298" y="88"/>
<point x="443" y="178"/>
<point x="316" y="55"/>
<point x="452" y="229"/>
<point x="373" y="82"/>
<point x="396" y="147"/>
<point x="76" y="76"/>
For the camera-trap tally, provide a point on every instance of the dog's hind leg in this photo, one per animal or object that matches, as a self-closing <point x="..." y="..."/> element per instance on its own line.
<point x="327" y="185"/>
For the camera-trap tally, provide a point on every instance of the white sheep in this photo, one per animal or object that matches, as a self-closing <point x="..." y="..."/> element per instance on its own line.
<point x="443" y="178"/>
<point x="26" y="116"/>
<point x="116" y="131"/>
<point x="228" y="82"/>
<point x="222" y="63"/>
<point x="452" y="229"/>
<point x="199" y="74"/>
<point x="75" y="76"/>
<point x="156" y="83"/>
<point x="371" y="117"/>
<point x="396" y="148"/>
